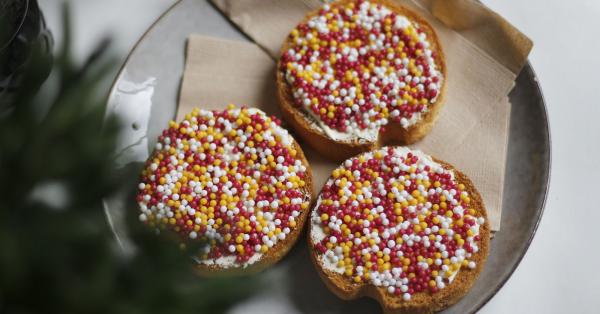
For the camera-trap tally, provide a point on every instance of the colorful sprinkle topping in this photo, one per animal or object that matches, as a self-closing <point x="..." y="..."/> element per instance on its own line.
<point x="356" y="66"/>
<point x="230" y="177"/>
<point x="396" y="219"/>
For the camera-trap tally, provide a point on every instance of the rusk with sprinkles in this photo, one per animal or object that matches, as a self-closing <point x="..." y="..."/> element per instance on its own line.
<point x="356" y="75"/>
<point x="401" y="227"/>
<point x="234" y="179"/>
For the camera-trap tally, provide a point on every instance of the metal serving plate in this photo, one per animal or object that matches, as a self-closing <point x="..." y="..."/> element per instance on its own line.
<point x="145" y="96"/>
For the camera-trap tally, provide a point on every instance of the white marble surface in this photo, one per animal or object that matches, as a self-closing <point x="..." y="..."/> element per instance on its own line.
<point x="558" y="273"/>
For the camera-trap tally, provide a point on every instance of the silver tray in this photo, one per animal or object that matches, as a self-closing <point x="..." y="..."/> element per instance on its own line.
<point x="144" y="95"/>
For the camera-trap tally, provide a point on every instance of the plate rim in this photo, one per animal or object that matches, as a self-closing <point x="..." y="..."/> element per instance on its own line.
<point x="546" y="186"/>
<point x="541" y="104"/>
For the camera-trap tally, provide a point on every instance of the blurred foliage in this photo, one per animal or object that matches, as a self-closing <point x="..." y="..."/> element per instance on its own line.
<point x="11" y="15"/>
<point x="57" y="253"/>
<point x="22" y="28"/>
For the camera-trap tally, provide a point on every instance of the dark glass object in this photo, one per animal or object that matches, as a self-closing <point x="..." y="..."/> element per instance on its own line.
<point x="22" y="28"/>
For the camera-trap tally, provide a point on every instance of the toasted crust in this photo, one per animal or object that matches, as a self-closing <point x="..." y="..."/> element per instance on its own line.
<point x="422" y="302"/>
<point x="394" y="134"/>
<point x="279" y="250"/>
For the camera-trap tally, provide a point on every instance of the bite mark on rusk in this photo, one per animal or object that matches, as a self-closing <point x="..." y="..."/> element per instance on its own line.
<point x="233" y="178"/>
<point x="401" y="227"/>
<point x="355" y="75"/>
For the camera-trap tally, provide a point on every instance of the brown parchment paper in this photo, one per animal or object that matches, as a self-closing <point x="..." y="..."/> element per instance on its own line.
<point x="472" y="129"/>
